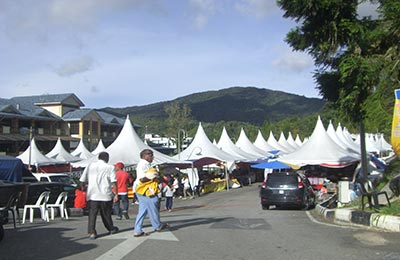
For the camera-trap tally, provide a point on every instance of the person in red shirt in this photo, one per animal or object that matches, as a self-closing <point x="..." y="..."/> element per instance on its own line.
<point x="122" y="183"/>
<point x="80" y="199"/>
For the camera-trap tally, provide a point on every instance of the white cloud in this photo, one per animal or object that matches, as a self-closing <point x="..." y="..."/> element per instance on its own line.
<point x="257" y="8"/>
<point x="203" y="10"/>
<point x="293" y="61"/>
<point x="75" y="66"/>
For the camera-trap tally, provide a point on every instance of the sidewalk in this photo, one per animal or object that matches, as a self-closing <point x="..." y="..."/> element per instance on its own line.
<point x="375" y="220"/>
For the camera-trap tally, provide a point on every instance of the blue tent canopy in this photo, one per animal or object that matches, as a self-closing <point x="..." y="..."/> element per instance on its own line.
<point x="12" y="169"/>
<point x="276" y="165"/>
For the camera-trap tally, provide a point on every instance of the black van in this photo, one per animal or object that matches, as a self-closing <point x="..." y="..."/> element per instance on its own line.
<point x="287" y="189"/>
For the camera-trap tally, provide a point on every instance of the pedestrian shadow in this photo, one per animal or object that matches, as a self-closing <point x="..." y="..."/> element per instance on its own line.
<point x="40" y="243"/>
<point x="181" y="224"/>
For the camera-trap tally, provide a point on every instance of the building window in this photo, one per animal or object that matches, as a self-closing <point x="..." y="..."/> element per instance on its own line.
<point x="95" y="128"/>
<point x="74" y="128"/>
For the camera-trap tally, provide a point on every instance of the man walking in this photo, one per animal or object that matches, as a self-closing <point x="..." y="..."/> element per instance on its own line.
<point x="147" y="204"/>
<point x="100" y="179"/>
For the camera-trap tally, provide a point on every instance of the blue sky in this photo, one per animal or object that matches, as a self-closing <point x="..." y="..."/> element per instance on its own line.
<point x="122" y="53"/>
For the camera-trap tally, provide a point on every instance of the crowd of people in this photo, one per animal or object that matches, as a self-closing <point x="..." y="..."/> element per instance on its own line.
<point x="104" y="190"/>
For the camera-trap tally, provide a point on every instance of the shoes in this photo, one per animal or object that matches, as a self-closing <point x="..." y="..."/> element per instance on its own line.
<point x="140" y="234"/>
<point x="163" y="227"/>
<point x="114" y="230"/>
<point x="169" y="210"/>
<point x="125" y="213"/>
<point x="119" y="218"/>
<point x="92" y="236"/>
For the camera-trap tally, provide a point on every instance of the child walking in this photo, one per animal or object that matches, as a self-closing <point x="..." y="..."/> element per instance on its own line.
<point x="169" y="196"/>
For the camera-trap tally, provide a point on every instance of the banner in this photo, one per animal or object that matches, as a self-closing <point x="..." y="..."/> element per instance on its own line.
<point x="396" y="124"/>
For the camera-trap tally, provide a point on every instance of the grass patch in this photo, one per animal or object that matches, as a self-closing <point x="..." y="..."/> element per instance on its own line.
<point x="394" y="210"/>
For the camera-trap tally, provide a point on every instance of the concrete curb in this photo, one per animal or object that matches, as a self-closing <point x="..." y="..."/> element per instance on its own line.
<point x="375" y="220"/>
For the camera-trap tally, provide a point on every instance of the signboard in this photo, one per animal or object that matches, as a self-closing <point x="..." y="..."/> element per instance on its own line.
<point x="396" y="123"/>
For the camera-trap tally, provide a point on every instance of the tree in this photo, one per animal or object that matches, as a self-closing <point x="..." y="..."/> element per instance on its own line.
<point x="178" y="120"/>
<point x="355" y="56"/>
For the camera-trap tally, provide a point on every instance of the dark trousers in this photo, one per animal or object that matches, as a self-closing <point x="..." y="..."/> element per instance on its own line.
<point x="125" y="205"/>
<point x="168" y="202"/>
<point x="105" y="208"/>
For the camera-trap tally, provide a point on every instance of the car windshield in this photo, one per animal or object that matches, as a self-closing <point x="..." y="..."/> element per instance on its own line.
<point x="277" y="181"/>
<point x="62" y="179"/>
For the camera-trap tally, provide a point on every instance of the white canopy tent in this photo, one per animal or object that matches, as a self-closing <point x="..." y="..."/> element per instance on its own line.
<point x="202" y="147"/>
<point x="202" y="151"/>
<point x="332" y="134"/>
<point x="127" y="147"/>
<point x="274" y="143"/>
<point x="370" y="144"/>
<point x="346" y="139"/>
<point x="99" y="148"/>
<point x="81" y="151"/>
<point x="320" y="149"/>
<point x="283" y="142"/>
<point x="298" y="140"/>
<point x="33" y="156"/>
<point x="59" y="153"/>
<point x="225" y="144"/>
<point x="246" y="145"/>
<point x="291" y="141"/>
<point x="262" y="144"/>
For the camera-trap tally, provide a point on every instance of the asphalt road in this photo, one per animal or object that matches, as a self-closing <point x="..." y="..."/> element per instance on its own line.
<point x="223" y="225"/>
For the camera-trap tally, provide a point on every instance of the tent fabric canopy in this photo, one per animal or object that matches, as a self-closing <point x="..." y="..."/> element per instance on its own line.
<point x="246" y="145"/>
<point x="126" y="148"/>
<point x="201" y="147"/>
<point x="262" y="144"/>
<point x="99" y="148"/>
<point x="33" y="156"/>
<point x="59" y="153"/>
<point x="81" y="151"/>
<point x="12" y="169"/>
<point x="320" y="149"/>
<point x="225" y="144"/>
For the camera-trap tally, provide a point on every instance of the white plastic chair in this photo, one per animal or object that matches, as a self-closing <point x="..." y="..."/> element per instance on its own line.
<point x="60" y="204"/>
<point x="41" y="204"/>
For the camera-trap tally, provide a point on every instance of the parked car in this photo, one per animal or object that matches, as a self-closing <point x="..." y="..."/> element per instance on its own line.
<point x="55" y="177"/>
<point x="287" y="189"/>
<point x="55" y="188"/>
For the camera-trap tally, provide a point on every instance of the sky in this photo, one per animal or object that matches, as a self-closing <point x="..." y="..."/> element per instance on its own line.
<point x="119" y="53"/>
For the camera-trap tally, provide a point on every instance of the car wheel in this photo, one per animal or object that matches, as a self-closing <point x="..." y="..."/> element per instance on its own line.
<point x="264" y="207"/>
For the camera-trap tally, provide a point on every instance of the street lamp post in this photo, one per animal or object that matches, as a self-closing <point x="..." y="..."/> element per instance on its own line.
<point x="178" y="143"/>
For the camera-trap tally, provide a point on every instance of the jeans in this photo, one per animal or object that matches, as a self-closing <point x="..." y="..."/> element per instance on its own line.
<point x="168" y="202"/>
<point x="147" y="205"/>
<point x="125" y="205"/>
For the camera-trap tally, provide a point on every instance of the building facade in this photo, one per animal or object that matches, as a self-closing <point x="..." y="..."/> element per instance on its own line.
<point x="49" y="117"/>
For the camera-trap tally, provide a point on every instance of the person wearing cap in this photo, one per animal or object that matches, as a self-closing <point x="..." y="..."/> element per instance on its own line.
<point x="122" y="183"/>
<point x="99" y="176"/>
<point x="148" y="202"/>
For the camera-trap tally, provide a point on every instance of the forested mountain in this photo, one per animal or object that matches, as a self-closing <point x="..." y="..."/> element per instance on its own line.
<point x="242" y="104"/>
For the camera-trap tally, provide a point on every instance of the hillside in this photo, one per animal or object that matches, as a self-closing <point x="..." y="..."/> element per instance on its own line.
<point x="242" y="104"/>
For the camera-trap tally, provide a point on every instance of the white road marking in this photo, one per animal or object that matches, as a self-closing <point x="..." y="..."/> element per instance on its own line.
<point x="131" y="242"/>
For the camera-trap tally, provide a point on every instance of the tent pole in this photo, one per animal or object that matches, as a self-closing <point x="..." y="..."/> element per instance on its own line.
<point x="226" y="176"/>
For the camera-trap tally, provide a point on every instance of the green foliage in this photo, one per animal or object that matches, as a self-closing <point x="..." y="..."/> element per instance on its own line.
<point x="355" y="56"/>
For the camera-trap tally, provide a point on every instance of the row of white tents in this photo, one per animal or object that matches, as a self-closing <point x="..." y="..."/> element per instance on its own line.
<point x="330" y="147"/>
